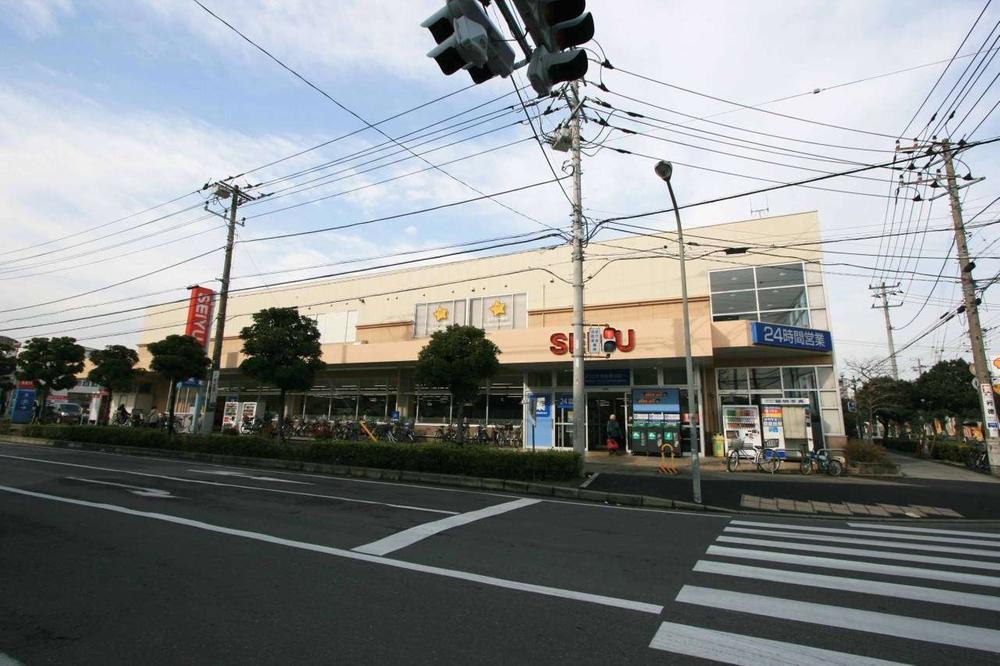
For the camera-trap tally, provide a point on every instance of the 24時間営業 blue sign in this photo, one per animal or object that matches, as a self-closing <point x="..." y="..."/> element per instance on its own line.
<point x="792" y="337"/>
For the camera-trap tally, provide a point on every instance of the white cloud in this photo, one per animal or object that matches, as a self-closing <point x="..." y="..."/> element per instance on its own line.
<point x="35" y="18"/>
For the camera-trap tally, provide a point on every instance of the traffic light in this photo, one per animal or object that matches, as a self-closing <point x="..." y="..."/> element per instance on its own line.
<point x="467" y="39"/>
<point x="609" y="340"/>
<point x="556" y="27"/>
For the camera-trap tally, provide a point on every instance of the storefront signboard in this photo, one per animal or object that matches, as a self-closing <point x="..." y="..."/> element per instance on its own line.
<point x="620" y="377"/>
<point x="655" y="401"/>
<point x="790" y="337"/>
<point x="199" y="319"/>
<point x="23" y="406"/>
<point x="990" y="409"/>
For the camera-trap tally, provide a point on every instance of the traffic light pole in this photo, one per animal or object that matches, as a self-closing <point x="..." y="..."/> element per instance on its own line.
<point x="983" y="379"/>
<point x="579" y="394"/>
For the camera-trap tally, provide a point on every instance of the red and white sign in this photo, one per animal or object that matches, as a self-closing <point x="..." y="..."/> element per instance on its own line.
<point x="199" y="321"/>
<point x="562" y="343"/>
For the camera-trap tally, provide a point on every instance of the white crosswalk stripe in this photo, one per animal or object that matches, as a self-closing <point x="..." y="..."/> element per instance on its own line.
<point x="945" y="594"/>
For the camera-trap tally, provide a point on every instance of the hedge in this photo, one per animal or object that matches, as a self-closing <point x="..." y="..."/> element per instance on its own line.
<point x="437" y="458"/>
<point x="940" y="449"/>
<point x="866" y="452"/>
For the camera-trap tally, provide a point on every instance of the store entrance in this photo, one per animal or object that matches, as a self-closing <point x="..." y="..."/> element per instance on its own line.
<point x="600" y="407"/>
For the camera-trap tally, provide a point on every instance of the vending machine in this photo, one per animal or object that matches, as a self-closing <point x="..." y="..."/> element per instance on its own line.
<point x="787" y="423"/>
<point x="741" y="425"/>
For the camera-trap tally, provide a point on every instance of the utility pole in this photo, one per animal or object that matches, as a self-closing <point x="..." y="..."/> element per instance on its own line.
<point x="990" y="426"/>
<point x="883" y="296"/>
<point x="579" y="392"/>
<point x="236" y="197"/>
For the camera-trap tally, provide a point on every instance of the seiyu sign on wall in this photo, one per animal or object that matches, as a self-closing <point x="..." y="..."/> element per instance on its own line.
<point x="199" y="320"/>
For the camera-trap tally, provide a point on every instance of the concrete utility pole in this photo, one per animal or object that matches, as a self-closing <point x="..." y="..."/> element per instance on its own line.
<point x="579" y="392"/>
<point x="236" y="196"/>
<point x="883" y="295"/>
<point x="972" y="316"/>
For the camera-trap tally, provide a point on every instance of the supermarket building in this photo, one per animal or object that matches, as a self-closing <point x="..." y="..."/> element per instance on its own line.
<point x="759" y="321"/>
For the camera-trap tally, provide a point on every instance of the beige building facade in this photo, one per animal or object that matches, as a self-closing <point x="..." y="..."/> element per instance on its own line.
<point x="374" y="325"/>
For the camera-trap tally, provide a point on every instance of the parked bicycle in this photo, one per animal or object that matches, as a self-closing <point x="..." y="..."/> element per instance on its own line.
<point x="763" y="458"/>
<point x="978" y="459"/>
<point x="821" y="460"/>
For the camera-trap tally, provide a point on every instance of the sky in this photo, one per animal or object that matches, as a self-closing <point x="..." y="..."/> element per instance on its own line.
<point x="114" y="114"/>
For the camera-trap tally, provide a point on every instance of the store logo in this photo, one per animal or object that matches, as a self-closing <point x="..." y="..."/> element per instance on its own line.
<point x="561" y="344"/>
<point x="441" y="313"/>
<point x="199" y="315"/>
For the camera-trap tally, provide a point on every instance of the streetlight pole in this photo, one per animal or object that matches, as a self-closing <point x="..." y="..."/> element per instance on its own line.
<point x="665" y="170"/>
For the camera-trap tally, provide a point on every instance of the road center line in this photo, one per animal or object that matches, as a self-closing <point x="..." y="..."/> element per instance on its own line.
<point x="586" y="597"/>
<point x="234" y="485"/>
<point x="744" y="650"/>
<point x="421" y="532"/>
<point x="901" y="626"/>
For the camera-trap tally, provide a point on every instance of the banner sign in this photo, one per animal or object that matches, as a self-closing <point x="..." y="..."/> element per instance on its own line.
<point x="790" y="337"/>
<point x="652" y="401"/>
<point x="199" y="319"/>
<point x="607" y="377"/>
<point x="990" y="411"/>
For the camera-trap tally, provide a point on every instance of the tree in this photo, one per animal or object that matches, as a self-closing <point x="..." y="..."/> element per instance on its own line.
<point x="177" y="358"/>
<point x="114" y="369"/>
<point x="51" y="364"/>
<point x="283" y="350"/>
<point x="946" y="390"/>
<point x="880" y="397"/>
<point x="8" y="363"/>
<point x="459" y="358"/>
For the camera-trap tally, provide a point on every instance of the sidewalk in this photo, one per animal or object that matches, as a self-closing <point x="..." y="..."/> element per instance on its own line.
<point x="919" y="468"/>
<point x="600" y="461"/>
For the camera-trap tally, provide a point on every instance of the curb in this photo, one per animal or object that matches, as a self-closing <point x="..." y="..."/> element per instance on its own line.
<point x="377" y="474"/>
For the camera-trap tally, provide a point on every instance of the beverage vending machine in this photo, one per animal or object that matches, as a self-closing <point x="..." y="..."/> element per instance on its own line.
<point x="741" y="425"/>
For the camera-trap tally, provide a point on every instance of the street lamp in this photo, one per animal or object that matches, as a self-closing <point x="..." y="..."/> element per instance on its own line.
<point x="665" y="170"/>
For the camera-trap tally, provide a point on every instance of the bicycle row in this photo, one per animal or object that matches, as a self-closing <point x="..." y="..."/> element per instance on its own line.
<point x="766" y="459"/>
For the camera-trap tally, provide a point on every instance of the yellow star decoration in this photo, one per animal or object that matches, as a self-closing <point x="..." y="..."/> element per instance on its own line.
<point x="499" y="309"/>
<point x="441" y="313"/>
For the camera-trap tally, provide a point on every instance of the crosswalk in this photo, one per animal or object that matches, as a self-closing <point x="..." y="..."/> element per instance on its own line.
<point x="848" y="593"/>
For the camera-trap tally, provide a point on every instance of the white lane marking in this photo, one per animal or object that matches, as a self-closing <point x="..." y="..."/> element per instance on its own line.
<point x="858" y="552"/>
<point x="614" y="602"/>
<point x="926" y="530"/>
<point x="885" y="535"/>
<point x="860" y="585"/>
<point x="8" y="661"/>
<point x="854" y="565"/>
<point x="135" y="490"/>
<point x="865" y="542"/>
<point x="744" y="650"/>
<point x="233" y="485"/>
<point x="246" y="475"/>
<point x="420" y="532"/>
<point x="910" y="628"/>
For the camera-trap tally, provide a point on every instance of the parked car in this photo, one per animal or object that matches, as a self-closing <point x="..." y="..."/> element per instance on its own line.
<point x="67" y="412"/>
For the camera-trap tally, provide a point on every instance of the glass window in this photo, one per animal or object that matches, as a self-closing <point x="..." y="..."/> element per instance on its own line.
<point x="732" y="379"/>
<point x="433" y="408"/>
<point x="746" y="316"/>
<point x="734" y="400"/>
<point x="316" y="406"/>
<point x="731" y="280"/>
<point x="827" y="379"/>
<point x="674" y="376"/>
<point x="505" y="408"/>
<point x="373" y="407"/>
<point x="798" y="318"/>
<point x="733" y="302"/>
<point x="343" y="407"/>
<point x="564" y="378"/>
<point x="475" y="410"/>
<point x="829" y="399"/>
<point x="539" y="379"/>
<point x="780" y="276"/>
<point x="765" y="378"/>
<point x="782" y="298"/>
<point x="799" y="378"/>
<point x="645" y="376"/>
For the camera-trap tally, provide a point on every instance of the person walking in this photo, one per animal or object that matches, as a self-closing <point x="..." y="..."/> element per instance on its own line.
<point x="615" y="439"/>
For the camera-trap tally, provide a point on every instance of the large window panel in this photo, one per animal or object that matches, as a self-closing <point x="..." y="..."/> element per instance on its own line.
<point x="762" y="379"/>
<point x="827" y="378"/>
<point x="798" y="318"/>
<point x="799" y="378"/>
<point x="732" y="379"/>
<point x="780" y="276"/>
<point x="782" y="298"/>
<point x="734" y="302"/>
<point x="731" y="280"/>
<point x="433" y="408"/>
<point x="505" y="408"/>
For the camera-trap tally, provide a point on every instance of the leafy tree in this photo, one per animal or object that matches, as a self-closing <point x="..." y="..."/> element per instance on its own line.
<point x="459" y="358"/>
<point x="51" y="364"/>
<point x="283" y="350"/>
<point x="8" y="363"/>
<point x="177" y="358"/>
<point x="114" y="369"/>
<point x="946" y="390"/>
<point x="881" y="398"/>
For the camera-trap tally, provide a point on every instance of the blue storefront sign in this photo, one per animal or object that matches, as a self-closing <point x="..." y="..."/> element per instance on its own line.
<point x="790" y="337"/>
<point x="23" y="405"/>
<point x="607" y="377"/>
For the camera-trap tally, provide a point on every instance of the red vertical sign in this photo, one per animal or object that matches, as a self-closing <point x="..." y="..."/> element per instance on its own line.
<point x="199" y="321"/>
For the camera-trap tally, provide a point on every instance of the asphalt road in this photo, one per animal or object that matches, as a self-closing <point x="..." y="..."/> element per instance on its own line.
<point x="110" y="559"/>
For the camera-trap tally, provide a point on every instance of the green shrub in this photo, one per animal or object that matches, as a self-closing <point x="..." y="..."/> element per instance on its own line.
<point x="902" y="445"/>
<point x="952" y="451"/>
<point x="5" y="427"/>
<point x="437" y="458"/>
<point x="866" y="452"/>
